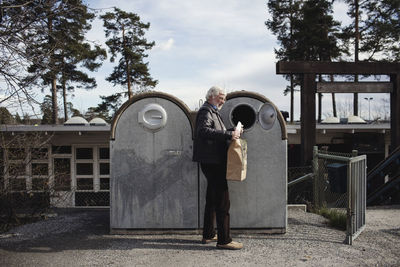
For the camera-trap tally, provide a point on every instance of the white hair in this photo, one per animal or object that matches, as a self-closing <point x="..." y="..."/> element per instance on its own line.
<point x="214" y="91"/>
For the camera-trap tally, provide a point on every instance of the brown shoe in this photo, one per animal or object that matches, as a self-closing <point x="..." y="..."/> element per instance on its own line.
<point x="232" y="245"/>
<point x="206" y="241"/>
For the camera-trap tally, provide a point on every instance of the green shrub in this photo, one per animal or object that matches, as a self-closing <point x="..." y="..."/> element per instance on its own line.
<point x="337" y="219"/>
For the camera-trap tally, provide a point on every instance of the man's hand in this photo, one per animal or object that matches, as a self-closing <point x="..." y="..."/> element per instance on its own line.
<point x="236" y="134"/>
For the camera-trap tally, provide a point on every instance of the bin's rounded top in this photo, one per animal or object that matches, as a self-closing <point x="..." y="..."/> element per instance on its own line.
<point x="263" y="99"/>
<point x="151" y="94"/>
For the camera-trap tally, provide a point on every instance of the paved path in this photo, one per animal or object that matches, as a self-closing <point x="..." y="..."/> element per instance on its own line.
<point x="81" y="238"/>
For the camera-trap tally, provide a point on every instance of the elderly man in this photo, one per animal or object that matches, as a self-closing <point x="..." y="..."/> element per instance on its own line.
<point x="210" y="150"/>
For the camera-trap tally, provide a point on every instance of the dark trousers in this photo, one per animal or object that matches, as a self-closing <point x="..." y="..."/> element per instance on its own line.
<point x="217" y="203"/>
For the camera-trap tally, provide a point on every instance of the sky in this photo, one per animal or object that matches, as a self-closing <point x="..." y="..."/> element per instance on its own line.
<point x="201" y="43"/>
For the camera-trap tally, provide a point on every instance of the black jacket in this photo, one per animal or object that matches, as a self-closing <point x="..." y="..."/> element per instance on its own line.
<point x="211" y="137"/>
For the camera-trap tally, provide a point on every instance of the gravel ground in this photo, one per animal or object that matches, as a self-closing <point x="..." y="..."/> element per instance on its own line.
<point x="81" y="238"/>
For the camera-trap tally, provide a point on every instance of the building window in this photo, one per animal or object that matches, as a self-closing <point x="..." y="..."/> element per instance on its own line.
<point x="104" y="168"/>
<point x="39" y="168"/>
<point x="2" y="170"/>
<point x="84" y="183"/>
<point x="84" y="164"/>
<point x="16" y="169"/>
<point x="84" y="153"/>
<point x="104" y="153"/>
<point x="62" y="174"/>
<point x="84" y="168"/>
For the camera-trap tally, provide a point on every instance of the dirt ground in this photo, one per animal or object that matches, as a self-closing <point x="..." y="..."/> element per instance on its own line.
<point x="81" y="238"/>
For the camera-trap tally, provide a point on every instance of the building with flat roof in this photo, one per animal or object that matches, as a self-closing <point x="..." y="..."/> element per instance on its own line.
<point x="74" y="159"/>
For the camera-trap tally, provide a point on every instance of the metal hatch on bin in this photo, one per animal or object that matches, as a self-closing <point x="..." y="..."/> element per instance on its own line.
<point x="152" y="116"/>
<point x="267" y="116"/>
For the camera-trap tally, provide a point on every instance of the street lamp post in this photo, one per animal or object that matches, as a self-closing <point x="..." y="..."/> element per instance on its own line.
<point x="369" y="106"/>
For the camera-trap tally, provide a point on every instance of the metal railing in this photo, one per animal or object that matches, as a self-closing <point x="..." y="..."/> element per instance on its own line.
<point x="340" y="183"/>
<point x="300" y="185"/>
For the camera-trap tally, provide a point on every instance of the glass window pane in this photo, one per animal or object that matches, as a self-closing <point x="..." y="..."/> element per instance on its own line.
<point x="40" y="169"/>
<point x="39" y="153"/>
<point x="1" y="178"/>
<point x="1" y="170"/>
<point x="18" y="184"/>
<point x="62" y="174"/>
<point x="104" y="153"/>
<point x="16" y="169"/>
<point x="39" y="184"/>
<point x="85" y="183"/>
<point x="84" y="153"/>
<point x="104" y="183"/>
<point x="104" y="168"/>
<point x="16" y="153"/>
<point x="61" y="149"/>
<point x="84" y="168"/>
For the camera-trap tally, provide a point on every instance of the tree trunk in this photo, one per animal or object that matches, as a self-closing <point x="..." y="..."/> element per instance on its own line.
<point x="54" y="116"/>
<point x="319" y="107"/>
<point x="356" y="48"/>
<point x="291" y="99"/>
<point x="319" y="101"/>
<point x="65" y="100"/>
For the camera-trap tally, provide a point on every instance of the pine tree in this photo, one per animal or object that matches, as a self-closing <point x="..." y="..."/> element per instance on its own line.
<point x="126" y="42"/>
<point x="76" y="51"/>
<point x="283" y="15"/>
<point x="5" y="116"/>
<point x="61" y="42"/>
<point x="18" y="119"/>
<point x="46" y="108"/>
<point x="375" y="31"/>
<point x="317" y="37"/>
<point x="306" y="31"/>
<point x="108" y="106"/>
<point x="379" y="28"/>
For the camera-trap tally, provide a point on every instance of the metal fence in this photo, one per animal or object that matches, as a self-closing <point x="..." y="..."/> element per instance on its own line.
<point x="340" y="184"/>
<point x="300" y="191"/>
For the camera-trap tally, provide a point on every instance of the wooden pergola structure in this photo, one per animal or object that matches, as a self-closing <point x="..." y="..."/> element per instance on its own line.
<point x="309" y="86"/>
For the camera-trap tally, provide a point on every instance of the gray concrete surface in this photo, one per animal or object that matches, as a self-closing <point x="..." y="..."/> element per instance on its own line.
<point x="81" y="238"/>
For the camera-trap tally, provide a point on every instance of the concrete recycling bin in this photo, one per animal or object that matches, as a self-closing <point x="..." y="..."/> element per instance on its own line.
<point x="154" y="183"/>
<point x="260" y="200"/>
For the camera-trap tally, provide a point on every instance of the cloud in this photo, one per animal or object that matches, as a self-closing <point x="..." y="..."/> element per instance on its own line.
<point x="208" y="41"/>
<point x="165" y="46"/>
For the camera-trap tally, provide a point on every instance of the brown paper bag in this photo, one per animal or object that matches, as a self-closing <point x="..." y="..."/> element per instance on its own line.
<point x="237" y="160"/>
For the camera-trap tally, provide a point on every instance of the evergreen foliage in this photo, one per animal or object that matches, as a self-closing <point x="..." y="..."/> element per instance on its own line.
<point x="127" y="44"/>
<point x="379" y="29"/>
<point x="60" y="42"/>
<point x="306" y="31"/>
<point x="46" y="108"/>
<point x="5" y="116"/>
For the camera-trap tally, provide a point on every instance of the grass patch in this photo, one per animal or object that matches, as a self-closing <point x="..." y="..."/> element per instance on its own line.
<point x="337" y="219"/>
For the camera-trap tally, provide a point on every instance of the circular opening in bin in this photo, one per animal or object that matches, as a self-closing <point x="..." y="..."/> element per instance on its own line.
<point x="245" y="114"/>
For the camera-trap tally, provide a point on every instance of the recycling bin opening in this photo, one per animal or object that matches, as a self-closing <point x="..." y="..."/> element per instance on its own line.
<point x="245" y="114"/>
